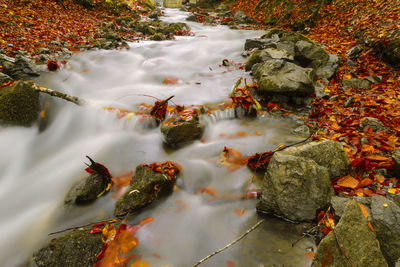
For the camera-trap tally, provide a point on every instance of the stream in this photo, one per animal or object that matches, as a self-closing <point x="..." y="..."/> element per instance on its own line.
<point x="37" y="168"/>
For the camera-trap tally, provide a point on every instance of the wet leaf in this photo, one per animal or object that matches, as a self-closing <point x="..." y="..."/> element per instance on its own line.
<point x="232" y="159"/>
<point x="348" y="181"/>
<point x="209" y="190"/>
<point x="239" y="212"/>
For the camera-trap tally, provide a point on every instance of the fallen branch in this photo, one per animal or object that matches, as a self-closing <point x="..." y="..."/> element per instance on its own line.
<point x="74" y="99"/>
<point x="80" y="226"/>
<point x="230" y="244"/>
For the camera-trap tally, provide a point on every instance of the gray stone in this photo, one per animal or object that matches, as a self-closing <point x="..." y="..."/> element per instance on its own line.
<point x="355" y="83"/>
<point x="309" y="54"/>
<point x="260" y="44"/>
<point x="374" y="79"/>
<point x="386" y="223"/>
<point x="375" y="124"/>
<point x="181" y="133"/>
<point x="158" y="37"/>
<point x="274" y="53"/>
<point x="44" y="51"/>
<point x="282" y="77"/>
<point x="339" y="204"/>
<point x="320" y="91"/>
<point x="302" y="130"/>
<point x="294" y="188"/>
<point x="19" y="104"/>
<point x="19" y="67"/>
<point x="146" y="186"/>
<point x="356" y="240"/>
<point x="4" y="78"/>
<point x="327" y="153"/>
<point x="353" y="52"/>
<point x="329" y="69"/>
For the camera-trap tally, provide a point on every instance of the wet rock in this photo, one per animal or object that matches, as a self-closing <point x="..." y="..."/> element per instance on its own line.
<point x="375" y="124"/>
<point x="146" y="186"/>
<point x="386" y="222"/>
<point x="356" y="239"/>
<point x="355" y="83"/>
<point x="182" y="132"/>
<point x="192" y="17"/>
<point x="391" y="52"/>
<point x="327" y="153"/>
<point x="282" y="77"/>
<point x="308" y="54"/>
<point x="4" y="78"/>
<point x="240" y="17"/>
<point x="374" y="79"/>
<point x="396" y="159"/>
<point x="260" y="44"/>
<point x="339" y="204"/>
<point x="19" y="104"/>
<point x="158" y="37"/>
<point x="91" y="187"/>
<point x="353" y="52"/>
<point x="294" y="188"/>
<point x="266" y="54"/>
<point x="253" y="59"/>
<point x="19" y="67"/>
<point x="302" y="130"/>
<point x="77" y="248"/>
<point x="123" y="20"/>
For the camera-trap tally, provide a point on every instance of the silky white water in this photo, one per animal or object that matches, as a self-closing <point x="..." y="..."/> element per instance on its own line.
<point x="37" y="168"/>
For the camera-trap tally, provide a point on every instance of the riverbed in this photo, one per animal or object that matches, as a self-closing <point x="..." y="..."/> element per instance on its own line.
<point x="37" y="167"/>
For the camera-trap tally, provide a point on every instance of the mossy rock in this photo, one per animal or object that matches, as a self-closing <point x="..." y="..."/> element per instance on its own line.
<point x="123" y="20"/>
<point x="150" y="4"/>
<point x="19" y="104"/>
<point x="158" y="37"/>
<point x="254" y="58"/>
<point x="76" y="248"/>
<point x="146" y="186"/>
<point x="181" y="133"/>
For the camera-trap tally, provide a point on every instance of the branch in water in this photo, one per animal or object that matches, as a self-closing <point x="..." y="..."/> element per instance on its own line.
<point x="230" y="244"/>
<point x="74" y="99"/>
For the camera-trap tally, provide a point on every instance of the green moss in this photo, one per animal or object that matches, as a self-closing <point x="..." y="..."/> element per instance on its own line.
<point x="77" y="248"/>
<point x="150" y="4"/>
<point x="254" y="58"/>
<point x="19" y="104"/>
<point x="158" y="37"/>
<point x="123" y="20"/>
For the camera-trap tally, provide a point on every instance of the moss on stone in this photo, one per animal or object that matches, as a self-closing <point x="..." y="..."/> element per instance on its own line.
<point x="77" y="248"/>
<point x="19" y="104"/>
<point x="254" y="58"/>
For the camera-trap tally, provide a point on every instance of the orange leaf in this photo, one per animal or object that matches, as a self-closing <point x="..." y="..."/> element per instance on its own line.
<point x="377" y="158"/>
<point x="232" y="159"/>
<point x="367" y="148"/>
<point x="170" y="80"/>
<point x="209" y="190"/>
<point x="363" y="210"/>
<point x="108" y="233"/>
<point x="242" y="134"/>
<point x="239" y="212"/>
<point x="309" y="255"/>
<point x="348" y="181"/>
<point x="365" y="182"/>
<point x="370" y="227"/>
<point x="230" y="263"/>
<point x="379" y="178"/>
<point x="140" y="264"/>
<point x="146" y="220"/>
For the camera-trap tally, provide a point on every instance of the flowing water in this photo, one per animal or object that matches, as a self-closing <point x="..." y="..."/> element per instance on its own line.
<point x="38" y="167"/>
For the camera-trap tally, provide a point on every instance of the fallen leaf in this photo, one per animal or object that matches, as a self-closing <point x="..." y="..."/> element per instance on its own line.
<point x="348" y="181"/>
<point x="239" y="212"/>
<point x="232" y="159"/>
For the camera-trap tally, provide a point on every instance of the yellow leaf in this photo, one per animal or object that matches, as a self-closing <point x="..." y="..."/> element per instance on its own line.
<point x="392" y="191"/>
<point x="129" y="116"/>
<point x="140" y="264"/>
<point x="108" y="233"/>
<point x="258" y="106"/>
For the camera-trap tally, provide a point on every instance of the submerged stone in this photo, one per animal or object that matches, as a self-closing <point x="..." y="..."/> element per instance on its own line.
<point x="19" y="104"/>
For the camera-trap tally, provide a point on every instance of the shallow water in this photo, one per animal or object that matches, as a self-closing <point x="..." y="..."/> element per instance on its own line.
<point x="38" y="168"/>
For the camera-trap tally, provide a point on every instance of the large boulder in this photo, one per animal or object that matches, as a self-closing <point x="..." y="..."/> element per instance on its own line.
<point x="182" y="132"/>
<point x="19" y="67"/>
<point x="329" y="69"/>
<point x="278" y="76"/>
<point x="327" y="153"/>
<point x="294" y="188"/>
<point x="19" y="104"/>
<point x="77" y="248"/>
<point x="384" y="216"/>
<point x="4" y="78"/>
<point x="356" y="240"/>
<point x="310" y="55"/>
<point x="386" y="222"/>
<point x="146" y="186"/>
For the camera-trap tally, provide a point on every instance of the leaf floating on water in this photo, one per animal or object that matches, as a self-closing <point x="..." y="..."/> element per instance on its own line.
<point x="232" y="159"/>
<point x="209" y="190"/>
<point x="170" y="80"/>
<point x="239" y="212"/>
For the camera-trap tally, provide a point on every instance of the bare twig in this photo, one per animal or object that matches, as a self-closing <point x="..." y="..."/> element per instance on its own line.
<point x="73" y="99"/>
<point x="80" y="226"/>
<point x="231" y="243"/>
<point x="337" y="239"/>
<point x="304" y="234"/>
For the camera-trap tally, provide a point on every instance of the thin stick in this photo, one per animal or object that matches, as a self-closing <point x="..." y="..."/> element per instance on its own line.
<point x="230" y="244"/>
<point x="337" y="239"/>
<point x="77" y="227"/>
<point x="73" y="99"/>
